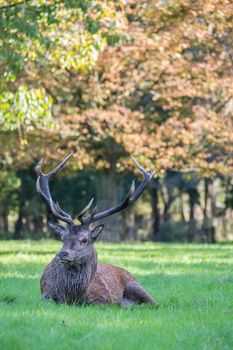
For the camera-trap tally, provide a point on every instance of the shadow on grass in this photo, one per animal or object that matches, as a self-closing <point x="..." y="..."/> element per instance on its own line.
<point x="31" y="252"/>
<point x="148" y="249"/>
<point x="168" y="248"/>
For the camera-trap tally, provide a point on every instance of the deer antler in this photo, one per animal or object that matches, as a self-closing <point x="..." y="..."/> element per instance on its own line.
<point x="42" y="186"/>
<point x="131" y="197"/>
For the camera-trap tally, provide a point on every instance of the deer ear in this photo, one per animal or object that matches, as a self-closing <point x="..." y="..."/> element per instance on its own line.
<point x="61" y="230"/>
<point x="96" y="231"/>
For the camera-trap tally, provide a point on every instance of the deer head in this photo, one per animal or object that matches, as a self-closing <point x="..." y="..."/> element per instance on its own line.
<point x="78" y="239"/>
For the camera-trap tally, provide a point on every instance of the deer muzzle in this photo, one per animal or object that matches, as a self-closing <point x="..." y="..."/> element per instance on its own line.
<point x="69" y="257"/>
<point x="63" y="255"/>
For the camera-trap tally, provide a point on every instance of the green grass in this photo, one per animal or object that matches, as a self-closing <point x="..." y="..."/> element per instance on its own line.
<point x="192" y="284"/>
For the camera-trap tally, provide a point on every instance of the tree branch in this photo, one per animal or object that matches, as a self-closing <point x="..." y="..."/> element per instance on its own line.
<point x="6" y="7"/>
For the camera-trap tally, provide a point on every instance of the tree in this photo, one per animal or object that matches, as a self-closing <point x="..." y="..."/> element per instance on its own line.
<point x="48" y="36"/>
<point x="9" y="184"/>
<point x="176" y="70"/>
<point x="158" y="86"/>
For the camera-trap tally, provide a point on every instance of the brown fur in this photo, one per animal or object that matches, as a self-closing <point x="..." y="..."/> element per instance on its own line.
<point x="79" y="279"/>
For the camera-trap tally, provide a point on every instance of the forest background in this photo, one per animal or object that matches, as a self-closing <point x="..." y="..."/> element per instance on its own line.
<point x="110" y="79"/>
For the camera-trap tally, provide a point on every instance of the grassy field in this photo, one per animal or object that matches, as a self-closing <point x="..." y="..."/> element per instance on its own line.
<point x="193" y="286"/>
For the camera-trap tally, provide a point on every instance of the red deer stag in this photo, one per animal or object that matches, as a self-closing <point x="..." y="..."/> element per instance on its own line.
<point x="73" y="276"/>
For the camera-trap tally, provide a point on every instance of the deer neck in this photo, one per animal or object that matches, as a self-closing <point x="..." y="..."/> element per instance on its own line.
<point x="74" y="281"/>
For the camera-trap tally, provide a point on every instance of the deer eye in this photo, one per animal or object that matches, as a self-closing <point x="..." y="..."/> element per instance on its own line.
<point x="84" y="240"/>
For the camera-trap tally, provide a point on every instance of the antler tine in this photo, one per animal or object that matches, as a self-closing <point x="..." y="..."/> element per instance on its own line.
<point x="42" y="186"/>
<point x="89" y="220"/>
<point x="54" y="171"/>
<point x="131" y="197"/>
<point x="60" y="166"/>
<point x="147" y="176"/>
<point x="38" y="166"/>
<point x="58" y="209"/>
<point x="85" y="210"/>
<point x="123" y="204"/>
<point x="66" y="218"/>
<point x="139" y="166"/>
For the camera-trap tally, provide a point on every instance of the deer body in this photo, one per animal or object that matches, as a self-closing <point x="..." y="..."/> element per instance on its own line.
<point x="73" y="276"/>
<point x="105" y="284"/>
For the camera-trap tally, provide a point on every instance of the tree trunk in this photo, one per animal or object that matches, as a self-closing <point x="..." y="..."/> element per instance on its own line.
<point x="213" y="200"/>
<point x="155" y="235"/>
<point x="212" y="235"/>
<point x="205" y="224"/>
<point x="37" y="226"/>
<point x="131" y="220"/>
<point x="192" y="222"/>
<point x="5" y="223"/>
<point x="181" y="208"/>
<point x="107" y="197"/>
<point x="19" y="225"/>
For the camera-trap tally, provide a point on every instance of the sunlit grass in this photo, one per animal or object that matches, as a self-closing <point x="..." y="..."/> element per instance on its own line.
<point x="193" y="286"/>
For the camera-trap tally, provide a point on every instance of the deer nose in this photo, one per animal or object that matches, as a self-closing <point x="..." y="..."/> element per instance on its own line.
<point x="62" y="255"/>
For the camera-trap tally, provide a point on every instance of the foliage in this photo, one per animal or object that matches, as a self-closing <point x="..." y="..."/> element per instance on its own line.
<point x="176" y="71"/>
<point x="164" y="93"/>
<point x="38" y="37"/>
<point x="58" y="34"/>
<point x="25" y="109"/>
<point x="9" y="184"/>
<point x="107" y="79"/>
<point x="191" y="284"/>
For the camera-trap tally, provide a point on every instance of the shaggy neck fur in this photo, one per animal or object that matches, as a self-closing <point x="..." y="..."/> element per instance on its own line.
<point x="69" y="284"/>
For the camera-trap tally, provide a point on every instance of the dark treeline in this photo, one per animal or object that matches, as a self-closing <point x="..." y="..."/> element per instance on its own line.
<point x="178" y="207"/>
